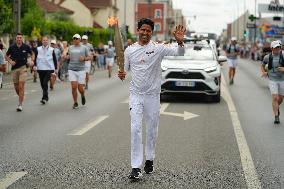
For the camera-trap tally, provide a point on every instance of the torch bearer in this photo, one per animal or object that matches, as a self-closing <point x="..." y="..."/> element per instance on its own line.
<point x="118" y="43"/>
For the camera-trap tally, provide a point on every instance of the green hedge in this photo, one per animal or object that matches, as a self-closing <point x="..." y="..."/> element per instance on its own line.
<point x="65" y="31"/>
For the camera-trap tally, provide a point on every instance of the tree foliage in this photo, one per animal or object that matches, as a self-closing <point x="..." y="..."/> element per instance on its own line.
<point x="61" y="16"/>
<point x="6" y="20"/>
<point x="33" y="18"/>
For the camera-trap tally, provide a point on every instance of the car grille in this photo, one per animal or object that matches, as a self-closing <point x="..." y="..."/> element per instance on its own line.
<point x="199" y="86"/>
<point x="188" y="75"/>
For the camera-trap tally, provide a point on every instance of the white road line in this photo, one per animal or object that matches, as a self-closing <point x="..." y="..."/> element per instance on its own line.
<point x="164" y="107"/>
<point x="33" y="91"/>
<point x="11" y="178"/>
<point x="89" y="126"/>
<point x="246" y="158"/>
<point x="185" y="115"/>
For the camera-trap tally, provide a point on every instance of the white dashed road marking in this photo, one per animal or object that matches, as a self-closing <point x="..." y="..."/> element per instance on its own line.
<point x="89" y="126"/>
<point x="11" y="178"/>
<point x="246" y="158"/>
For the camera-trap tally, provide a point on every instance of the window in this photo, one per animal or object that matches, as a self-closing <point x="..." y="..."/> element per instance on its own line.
<point x="158" y="13"/>
<point x="157" y="27"/>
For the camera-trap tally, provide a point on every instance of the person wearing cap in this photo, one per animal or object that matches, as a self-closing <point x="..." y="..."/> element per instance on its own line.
<point x="110" y="53"/>
<point x="45" y="64"/>
<point x="57" y="52"/>
<point x="273" y="67"/>
<point x="88" y="62"/>
<point x="232" y="52"/>
<point x="77" y="55"/>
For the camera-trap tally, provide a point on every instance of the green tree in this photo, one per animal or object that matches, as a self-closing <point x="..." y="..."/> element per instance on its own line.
<point x="61" y="16"/>
<point x="6" y="20"/>
<point x="33" y="18"/>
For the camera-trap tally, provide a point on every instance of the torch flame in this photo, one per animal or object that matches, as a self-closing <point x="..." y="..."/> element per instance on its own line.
<point x="112" y="21"/>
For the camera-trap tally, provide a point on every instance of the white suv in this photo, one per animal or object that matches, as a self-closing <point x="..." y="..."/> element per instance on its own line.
<point x="198" y="71"/>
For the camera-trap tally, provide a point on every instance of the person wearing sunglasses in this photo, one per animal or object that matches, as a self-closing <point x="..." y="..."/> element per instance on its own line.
<point x="273" y="68"/>
<point x="77" y="54"/>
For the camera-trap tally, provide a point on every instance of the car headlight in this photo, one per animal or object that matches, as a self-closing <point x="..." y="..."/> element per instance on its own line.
<point x="164" y="68"/>
<point x="210" y="69"/>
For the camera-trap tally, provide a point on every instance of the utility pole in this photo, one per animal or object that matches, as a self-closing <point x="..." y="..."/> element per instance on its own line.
<point x="17" y="15"/>
<point x="254" y="40"/>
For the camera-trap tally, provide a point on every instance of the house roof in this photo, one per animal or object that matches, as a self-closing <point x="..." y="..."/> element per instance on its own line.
<point x="96" y="3"/>
<point x="96" y="25"/>
<point x="50" y="7"/>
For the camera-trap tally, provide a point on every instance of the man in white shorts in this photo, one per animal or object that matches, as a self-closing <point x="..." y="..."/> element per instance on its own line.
<point x="110" y="53"/>
<point x="77" y="54"/>
<point x="89" y="62"/>
<point x="232" y="52"/>
<point x="273" y="68"/>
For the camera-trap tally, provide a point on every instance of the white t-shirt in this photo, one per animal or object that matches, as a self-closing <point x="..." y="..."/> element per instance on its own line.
<point x="144" y="63"/>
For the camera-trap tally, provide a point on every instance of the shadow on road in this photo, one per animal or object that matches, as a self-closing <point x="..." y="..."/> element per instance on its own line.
<point x="187" y="98"/>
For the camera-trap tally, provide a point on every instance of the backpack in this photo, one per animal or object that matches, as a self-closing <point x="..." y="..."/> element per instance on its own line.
<point x="270" y="60"/>
<point x="235" y="49"/>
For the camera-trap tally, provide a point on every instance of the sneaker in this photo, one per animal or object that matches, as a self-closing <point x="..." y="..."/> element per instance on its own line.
<point x="75" y="106"/>
<point x="276" y="120"/>
<point x="83" y="98"/>
<point x="135" y="174"/>
<point x="231" y="82"/>
<point x="51" y="88"/>
<point x="149" y="168"/>
<point x="278" y="112"/>
<point x="19" y="108"/>
<point x="43" y="101"/>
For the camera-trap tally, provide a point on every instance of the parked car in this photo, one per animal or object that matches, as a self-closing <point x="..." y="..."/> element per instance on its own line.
<point x="198" y="71"/>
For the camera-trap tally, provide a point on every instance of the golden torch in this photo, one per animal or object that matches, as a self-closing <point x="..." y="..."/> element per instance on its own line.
<point x="118" y="43"/>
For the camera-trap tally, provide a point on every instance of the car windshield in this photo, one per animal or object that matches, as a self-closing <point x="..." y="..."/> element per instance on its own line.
<point x="197" y="52"/>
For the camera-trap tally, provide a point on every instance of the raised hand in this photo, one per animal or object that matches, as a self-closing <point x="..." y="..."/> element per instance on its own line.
<point x="179" y="33"/>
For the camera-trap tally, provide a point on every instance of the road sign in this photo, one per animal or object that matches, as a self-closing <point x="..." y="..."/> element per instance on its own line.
<point x="249" y="25"/>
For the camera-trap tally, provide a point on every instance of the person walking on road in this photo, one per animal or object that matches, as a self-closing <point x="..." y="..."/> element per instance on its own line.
<point x="55" y="74"/>
<point x="17" y="56"/>
<point x="143" y="59"/>
<point x="2" y="65"/>
<point x="77" y="54"/>
<point x="232" y="52"/>
<point x="45" y="65"/>
<point x="273" y="68"/>
<point x="110" y="53"/>
<point x="88" y="62"/>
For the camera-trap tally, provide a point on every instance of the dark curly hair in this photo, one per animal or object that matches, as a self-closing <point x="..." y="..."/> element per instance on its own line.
<point x="147" y="21"/>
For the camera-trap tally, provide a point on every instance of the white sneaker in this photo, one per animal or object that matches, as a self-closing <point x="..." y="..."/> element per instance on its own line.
<point x="19" y="108"/>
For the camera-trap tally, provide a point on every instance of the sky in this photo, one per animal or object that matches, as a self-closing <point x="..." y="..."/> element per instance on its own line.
<point x="214" y="15"/>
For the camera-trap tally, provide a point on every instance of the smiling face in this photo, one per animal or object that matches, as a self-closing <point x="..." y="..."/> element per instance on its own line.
<point x="45" y="41"/>
<point x="19" y="39"/>
<point x="145" y="34"/>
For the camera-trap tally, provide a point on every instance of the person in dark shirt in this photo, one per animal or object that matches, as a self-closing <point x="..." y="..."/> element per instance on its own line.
<point x="34" y="49"/>
<point x="101" y="56"/>
<point x="17" y="56"/>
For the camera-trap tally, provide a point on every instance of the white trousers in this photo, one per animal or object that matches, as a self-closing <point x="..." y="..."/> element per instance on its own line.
<point x="147" y="106"/>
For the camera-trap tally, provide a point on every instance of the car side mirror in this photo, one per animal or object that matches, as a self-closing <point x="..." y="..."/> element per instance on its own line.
<point x="222" y="59"/>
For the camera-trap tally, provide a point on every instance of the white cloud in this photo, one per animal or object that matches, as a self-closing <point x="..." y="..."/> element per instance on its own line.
<point x="213" y="15"/>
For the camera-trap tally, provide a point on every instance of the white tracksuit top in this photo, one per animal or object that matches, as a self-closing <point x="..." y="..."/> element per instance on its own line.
<point x="144" y="63"/>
